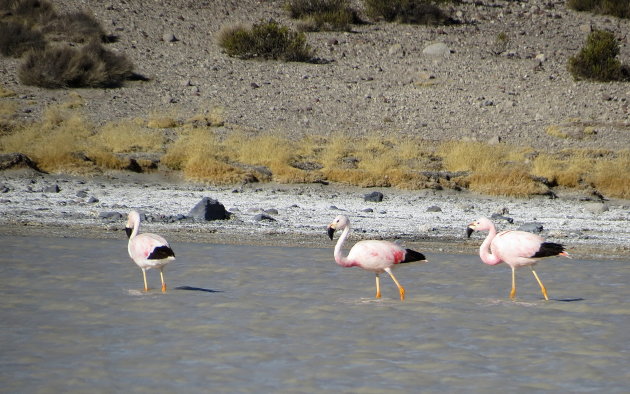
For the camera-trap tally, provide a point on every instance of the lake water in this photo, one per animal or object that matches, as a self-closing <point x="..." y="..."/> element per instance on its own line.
<point x="265" y="319"/>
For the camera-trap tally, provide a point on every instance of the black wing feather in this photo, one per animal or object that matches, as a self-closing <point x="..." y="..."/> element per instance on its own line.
<point x="548" y="249"/>
<point x="412" y="256"/>
<point x="161" y="252"/>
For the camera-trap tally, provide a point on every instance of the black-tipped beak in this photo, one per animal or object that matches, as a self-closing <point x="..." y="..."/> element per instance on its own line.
<point x="331" y="232"/>
<point x="128" y="231"/>
<point x="469" y="231"/>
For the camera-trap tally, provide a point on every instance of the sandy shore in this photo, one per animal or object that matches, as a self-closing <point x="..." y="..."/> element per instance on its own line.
<point x="32" y="203"/>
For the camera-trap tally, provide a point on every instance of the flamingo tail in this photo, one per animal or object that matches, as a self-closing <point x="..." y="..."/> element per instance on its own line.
<point x="548" y="249"/>
<point x="412" y="255"/>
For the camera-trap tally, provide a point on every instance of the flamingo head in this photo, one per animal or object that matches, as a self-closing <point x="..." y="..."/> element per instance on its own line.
<point x="482" y="224"/>
<point x="339" y="223"/>
<point x="133" y="220"/>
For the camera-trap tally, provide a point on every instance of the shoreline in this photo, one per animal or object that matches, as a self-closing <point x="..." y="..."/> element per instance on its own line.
<point x="36" y="204"/>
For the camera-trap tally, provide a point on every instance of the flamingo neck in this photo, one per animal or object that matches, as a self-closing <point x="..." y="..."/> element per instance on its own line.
<point x="484" y="250"/>
<point x="339" y="257"/>
<point x="134" y="232"/>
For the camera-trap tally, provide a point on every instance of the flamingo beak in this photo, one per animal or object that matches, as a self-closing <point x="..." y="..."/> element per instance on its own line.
<point x="469" y="231"/>
<point x="330" y="230"/>
<point x="128" y="231"/>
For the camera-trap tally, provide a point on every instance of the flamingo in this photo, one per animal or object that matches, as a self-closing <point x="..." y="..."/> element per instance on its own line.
<point x="515" y="248"/>
<point x="371" y="255"/>
<point x="147" y="250"/>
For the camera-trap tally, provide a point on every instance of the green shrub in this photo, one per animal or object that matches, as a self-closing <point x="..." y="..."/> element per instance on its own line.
<point x="265" y="40"/>
<point x="618" y="8"/>
<point x="597" y="60"/>
<point x="323" y="14"/>
<point x="17" y="38"/>
<point x="424" y="12"/>
<point x="68" y="67"/>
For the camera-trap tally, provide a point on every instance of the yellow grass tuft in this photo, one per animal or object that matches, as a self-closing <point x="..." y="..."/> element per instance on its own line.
<point x="611" y="176"/>
<point x="512" y="180"/>
<point x="5" y="92"/>
<point x="556" y="131"/>
<point x="130" y="136"/>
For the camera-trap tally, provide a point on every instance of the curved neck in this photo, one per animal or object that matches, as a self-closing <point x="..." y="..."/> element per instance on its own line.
<point x="134" y="231"/>
<point x="339" y="257"/>
<point x="484" y="250"/>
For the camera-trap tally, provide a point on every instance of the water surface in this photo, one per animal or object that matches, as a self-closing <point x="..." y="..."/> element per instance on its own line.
<point x="73" y="318"/>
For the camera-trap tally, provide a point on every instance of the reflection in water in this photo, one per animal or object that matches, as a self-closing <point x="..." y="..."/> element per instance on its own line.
<point x="266" y="319"/>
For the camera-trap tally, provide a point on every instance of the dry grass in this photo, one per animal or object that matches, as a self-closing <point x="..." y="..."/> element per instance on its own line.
<point x="63" y="141"/>
<point x="4" y="92"/>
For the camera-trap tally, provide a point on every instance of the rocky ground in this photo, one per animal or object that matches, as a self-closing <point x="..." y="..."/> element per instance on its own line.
<point x="33" y="203"/>
<point x="376" y="78"/>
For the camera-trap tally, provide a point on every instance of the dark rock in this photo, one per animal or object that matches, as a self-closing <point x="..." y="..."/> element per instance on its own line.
<point x="52" y="189"/>
<point x="92" y="200"/>
<point x="82" y="193"/>
<point x="111" y="216"/>
<point x="367" y="210"/>
<point x="533" y="227"/>
<point x="271" y="211"/>
<point x="434" y="208"/>
<point x="16" y="160"/>
<point x="496" y="216"/>
<point x="373" y="197"/>
<point x="209" y="209"/>
<point x="261" y="216"/>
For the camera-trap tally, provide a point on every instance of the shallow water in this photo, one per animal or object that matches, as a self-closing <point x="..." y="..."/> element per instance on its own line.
<point x="265" y="319"/>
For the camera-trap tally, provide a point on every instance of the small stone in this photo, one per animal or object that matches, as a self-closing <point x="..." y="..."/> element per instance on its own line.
<point x="169" y="37"/>
<point x="596" y="208"/>
<point x="534" y="227"/>
<point x="434" y="208"/>
<point x="52" y="189"/>
<point x="209" y="209"/>
<point x="261" y="216"/>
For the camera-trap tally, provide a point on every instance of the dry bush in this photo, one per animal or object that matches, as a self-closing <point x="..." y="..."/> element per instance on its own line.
<point x="31" y="12"/>
<point x="17" y="39"/>
<point x="162" y="122"/>
<point x="318" y="15"/>
<point x="64" y="67"/>
<point x="4" y="92"/>
<point x="407" y="11"/>
<point x="77" y="26"/>
<point x="618" y="8"/>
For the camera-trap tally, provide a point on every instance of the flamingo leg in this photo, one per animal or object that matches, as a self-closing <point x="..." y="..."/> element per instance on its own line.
<point x="162" y="277"/>
<point x="400" y="288"/>
<point x="378" y="286"/>
<point x="513" y="292"/>
<point x="542" y="287"/>
<point x="144" y="276"/>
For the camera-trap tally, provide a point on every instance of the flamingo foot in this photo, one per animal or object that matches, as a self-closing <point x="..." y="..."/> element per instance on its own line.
<point x="163" y="287"/>
<point x="402" y="293"/>
<point x="378" y="294"/>
<point x="513" y="293"/>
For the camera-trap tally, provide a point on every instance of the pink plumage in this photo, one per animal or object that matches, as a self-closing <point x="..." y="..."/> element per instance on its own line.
<point x="371" y="255"/>
<point x="515" y="248"/>
<point x="147" y="250"/>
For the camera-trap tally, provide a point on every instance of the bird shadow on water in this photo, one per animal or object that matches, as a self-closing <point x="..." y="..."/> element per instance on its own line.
<point x="193" y="288"/>
<point x="568" y="299"/>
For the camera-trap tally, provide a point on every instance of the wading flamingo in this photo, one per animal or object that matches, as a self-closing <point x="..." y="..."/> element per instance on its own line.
<point x="147" y="250"/>
<point x="373" y="255"/>
<point x="515" y="248"/>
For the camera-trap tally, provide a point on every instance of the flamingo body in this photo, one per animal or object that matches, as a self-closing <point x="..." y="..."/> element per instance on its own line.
<point x="515" y="248"/>
<point x="147" y="250"/>
<point x="371" y="255"/>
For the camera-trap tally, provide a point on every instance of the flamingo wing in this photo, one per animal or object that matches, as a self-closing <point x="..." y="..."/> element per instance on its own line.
<point x="375" y="255"/>
<point x="517" y="247"/>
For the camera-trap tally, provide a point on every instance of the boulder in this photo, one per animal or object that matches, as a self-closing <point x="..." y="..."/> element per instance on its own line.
<point x="373" y="197"/>
<point x="209" y="209"/>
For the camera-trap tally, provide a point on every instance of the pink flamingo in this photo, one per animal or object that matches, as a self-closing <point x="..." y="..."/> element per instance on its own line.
<point x="373" y="255"/>
<point x="515" y="248"/>
<point x="147" y="250"/>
